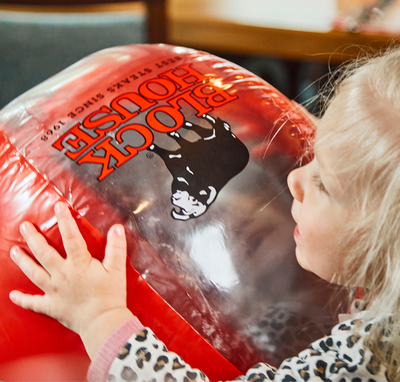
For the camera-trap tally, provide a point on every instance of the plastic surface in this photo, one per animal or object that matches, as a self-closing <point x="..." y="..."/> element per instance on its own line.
<point x="191" y="153"/>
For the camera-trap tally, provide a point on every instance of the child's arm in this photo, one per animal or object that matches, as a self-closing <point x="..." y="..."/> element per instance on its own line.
<point x="84" y="294"/>
<point x="89" y="297"/>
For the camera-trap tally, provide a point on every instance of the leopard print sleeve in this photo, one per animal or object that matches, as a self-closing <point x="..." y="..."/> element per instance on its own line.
<point x="145" y="358"/>
<point x="338" y="357"/>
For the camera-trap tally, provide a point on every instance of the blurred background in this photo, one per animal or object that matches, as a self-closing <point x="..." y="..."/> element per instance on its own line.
<point x="293" y="44"/>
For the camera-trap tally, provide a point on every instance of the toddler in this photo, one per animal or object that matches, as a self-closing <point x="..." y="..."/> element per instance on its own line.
<point x="347" y="209"/>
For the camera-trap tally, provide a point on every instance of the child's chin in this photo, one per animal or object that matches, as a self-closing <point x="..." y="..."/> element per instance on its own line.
<point x="302" y="260"/>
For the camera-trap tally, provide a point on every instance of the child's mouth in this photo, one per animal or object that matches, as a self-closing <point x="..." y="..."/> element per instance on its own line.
<point x="296" y="232"/>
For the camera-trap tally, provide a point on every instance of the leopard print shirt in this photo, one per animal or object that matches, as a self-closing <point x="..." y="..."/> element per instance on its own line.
<point x="338" y="357"/>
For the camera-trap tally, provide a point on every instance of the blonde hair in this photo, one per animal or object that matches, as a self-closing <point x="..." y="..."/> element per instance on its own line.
<point x="367" y="112"/>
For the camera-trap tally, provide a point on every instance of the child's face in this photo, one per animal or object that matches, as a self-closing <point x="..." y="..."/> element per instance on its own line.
<point x="320" y="207"/>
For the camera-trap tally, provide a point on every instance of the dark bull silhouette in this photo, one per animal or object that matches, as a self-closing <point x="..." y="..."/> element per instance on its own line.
<point x="201" y="168"/>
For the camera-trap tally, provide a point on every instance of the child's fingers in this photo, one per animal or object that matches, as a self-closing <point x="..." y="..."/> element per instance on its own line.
<point x="47" y="256"/>
<point x="36" y="303"/>
<point x="30" y="268"/>
<point x="115" y="255"/>
<point x="74" y="244"/>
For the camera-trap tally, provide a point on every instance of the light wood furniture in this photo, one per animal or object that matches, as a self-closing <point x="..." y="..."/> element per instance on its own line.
<point x="196" y="24"/>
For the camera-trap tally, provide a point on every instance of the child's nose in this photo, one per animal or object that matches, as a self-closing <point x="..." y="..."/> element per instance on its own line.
<point x="294" y="181"/>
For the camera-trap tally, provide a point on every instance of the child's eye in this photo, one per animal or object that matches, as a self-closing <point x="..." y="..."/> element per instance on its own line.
<point x="318" y="183"/>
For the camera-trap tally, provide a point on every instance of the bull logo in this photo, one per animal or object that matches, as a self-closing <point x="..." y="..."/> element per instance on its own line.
<point x="200" y="169"/>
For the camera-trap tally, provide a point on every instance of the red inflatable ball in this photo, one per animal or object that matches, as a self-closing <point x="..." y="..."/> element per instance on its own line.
<point x="190" y="152"/>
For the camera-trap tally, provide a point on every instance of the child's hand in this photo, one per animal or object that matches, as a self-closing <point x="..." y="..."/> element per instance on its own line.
<point x="84" y="294"/>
